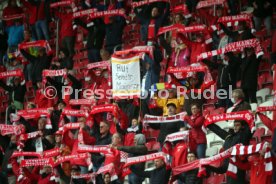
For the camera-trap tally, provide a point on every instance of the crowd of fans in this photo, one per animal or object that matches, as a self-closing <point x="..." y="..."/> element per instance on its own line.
<point x="117" y="135"/>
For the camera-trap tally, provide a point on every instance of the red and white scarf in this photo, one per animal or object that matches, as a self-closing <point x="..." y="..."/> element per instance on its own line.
<point x="83" y="156"/>
<point x="89" y="176"/>
<point x="11" y="129"/>
<point x="24" y="137"/>
<point x="216" y="159"/>
<point x="190" y="29"/>
<point x="233" y="21"/>
<point x="11" y="73"/>
<point x="37" y="162"/>
<point x="116" y="12"/>
<point x="233" y="47"/>
<point x="82" y="148"/>
<point x="108" y="169"/>
<point x="60" y="4"/>
<point x="178" y="136"/>
<point x="208" y="3"/>
<point x="72" y="112"/>
<point x="146" y="2"/>
<point x="101" y="64"/>
<point x="39" y="43"/>
<point x="145" y="158"/>
<point x="69" y="126"/>
<point x="82" y="13"/>
<point x="13" y="17"/>
<point x="105" y="108"/>
<point x="27" y="154"/>
<point x="182" y="9"/>
<point x="164" y="119"/>
<point x="88" y="102"/>
<point x="51" y="153"/>
<point x="136" y="50"/>
<point x="241" y="115"/>
<point x="266" y="108"/>
<point x="37" y="113"/>
<point x="53" y="73"/>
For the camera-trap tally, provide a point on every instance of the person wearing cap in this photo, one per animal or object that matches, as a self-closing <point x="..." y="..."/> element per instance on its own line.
<point x="196" y="121"/>
<point x="172" y="99"/>
<point x="167" y="128"/>
<point x="137" y="149"/>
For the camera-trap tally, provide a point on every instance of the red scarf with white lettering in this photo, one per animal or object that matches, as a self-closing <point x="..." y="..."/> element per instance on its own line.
<point x="190" y="29"/>
<point x="182" y="9"/>
<point x="266" y="108"/>
<point x="60" y="4"/>
<point x="241" y="115"/>
<point x="101" y="64"/>
<point x="178" y="136"/>
<point x="11" y="129"/>
<point x="233" y="47"/>
<point x="232" y="152"/>
<point x="82" y="156"/>
<point x="145" y="158"/>
<point x="142" y="3"/>
<point x="11" y="73"/>
<point x="82" y="13"/>
<point x="189" y="71"/>
<point x="164" y="119"/>
<point x="72" y="112"/>
<point x="209" y="3"/>
<point x="39" y="43"/>
<point x="88" y="102"/>
<point x="108" y="13"/>
<point x="37" y="113"/>
<point x="137" y="50"/>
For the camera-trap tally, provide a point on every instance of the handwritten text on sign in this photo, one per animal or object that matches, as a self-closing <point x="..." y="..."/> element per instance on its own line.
<point x="126" y="77"/>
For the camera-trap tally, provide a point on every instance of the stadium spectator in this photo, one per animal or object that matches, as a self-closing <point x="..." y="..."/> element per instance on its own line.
<point x="196" y="121"/>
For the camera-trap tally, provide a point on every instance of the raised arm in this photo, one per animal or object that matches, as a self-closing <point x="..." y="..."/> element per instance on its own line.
<point x="139" y="149"/>
<point x="28" y="56"/>
<point x="219" y="131"/>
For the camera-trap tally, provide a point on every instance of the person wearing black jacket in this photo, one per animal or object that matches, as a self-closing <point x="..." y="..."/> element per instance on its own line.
<point x="71" y="81"/>
<point x="190" y="177"/>
<point x="243" y="33"/>
<point x="249" y="75"/>
<point x="240" y="135"/>
<point x="114" y="33"/>
<point x="160" y="175"/>
<point x="41" y="62"/>
<point x="95" y="38"/>
<point x="167" y="128"/>
<point x="238" y="101"/>
<point x="227" y="72"/>
<point x="16" y="92"/>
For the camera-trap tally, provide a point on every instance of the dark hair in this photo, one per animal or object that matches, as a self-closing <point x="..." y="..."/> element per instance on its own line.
<point x="171" y="104"/>
<point x="190" y="152"/>
<point x="195" y="104"/>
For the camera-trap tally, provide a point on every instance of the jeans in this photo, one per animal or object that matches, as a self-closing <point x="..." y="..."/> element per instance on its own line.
<point x="134" y="179"/>
<point x="94" y="55"/>
<point x="200" y="150"/>
<point x="42" y="32"/>
<point x="267" y="23"/>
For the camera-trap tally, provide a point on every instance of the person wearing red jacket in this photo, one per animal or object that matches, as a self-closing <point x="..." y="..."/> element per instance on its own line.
<point x="41" y="100"/>
<point x="73" y="143"/>
<point x="256" y="165"/>
<point x="197" y="47"/>
<point x="196" y="121"/>
<point x="31" y="11"/>
<point x="11" y="9"/>
<point x="67" y="33"/>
